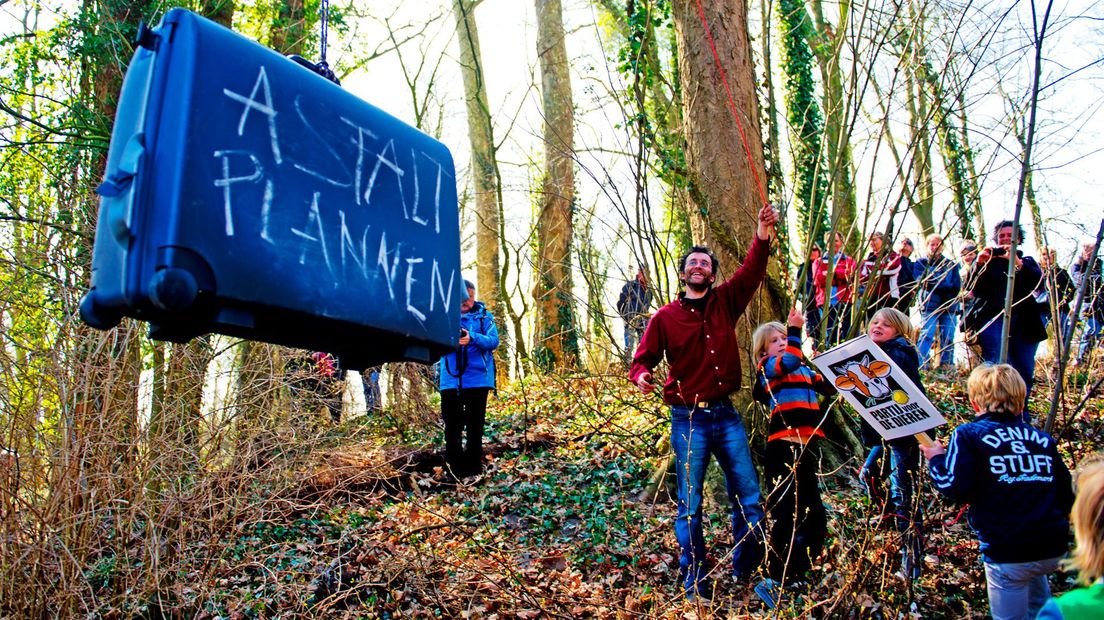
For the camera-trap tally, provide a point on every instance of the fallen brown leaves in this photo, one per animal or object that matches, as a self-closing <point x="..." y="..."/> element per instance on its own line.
<point x="553" y="529"/>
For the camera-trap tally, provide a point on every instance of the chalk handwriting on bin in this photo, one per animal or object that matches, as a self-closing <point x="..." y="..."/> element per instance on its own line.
<point x="361" y="161"/>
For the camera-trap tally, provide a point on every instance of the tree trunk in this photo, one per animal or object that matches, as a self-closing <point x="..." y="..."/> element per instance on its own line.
<point x="1029" y="190"/>
<point x="953" y="146"/>
<point x="258" y="390"/>
<point x="954" y="158"/>
<point x="828" y="46"/>
<point x="922" y="193"/>
<point x="117" y="376"/>
<point x="973" y="190"/>
<point x="556" y="343"/>
<point x="97" y="474"/>
<point x="723" y="187"/>
<point x="157" y="392"/>
<point x="485" y="176"/>
<point x="772" y="148"/>
<point x="260" y="365"/>
<point x="177" y="410"/>
<point x="185" y="377"/>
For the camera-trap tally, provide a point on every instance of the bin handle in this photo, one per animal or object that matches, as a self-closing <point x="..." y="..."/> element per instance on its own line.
<point x="119" y="181"/>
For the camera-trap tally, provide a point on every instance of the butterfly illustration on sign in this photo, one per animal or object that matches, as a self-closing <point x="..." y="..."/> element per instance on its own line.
<point x="870" y="380"/>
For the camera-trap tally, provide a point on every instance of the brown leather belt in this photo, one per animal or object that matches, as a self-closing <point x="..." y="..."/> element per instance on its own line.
<point x="709" y="404"/>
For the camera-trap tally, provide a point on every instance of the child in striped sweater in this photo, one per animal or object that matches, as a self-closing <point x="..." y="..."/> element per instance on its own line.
<point x="790" y="388"/>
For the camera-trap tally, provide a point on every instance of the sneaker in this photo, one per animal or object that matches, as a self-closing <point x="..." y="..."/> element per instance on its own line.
<point x="701" y="592"/>
<point x="769" y="591"/>
<point x="910" y="568"/>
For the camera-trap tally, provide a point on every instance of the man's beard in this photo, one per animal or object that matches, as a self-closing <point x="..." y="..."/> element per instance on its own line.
<point x="698" y="287"/>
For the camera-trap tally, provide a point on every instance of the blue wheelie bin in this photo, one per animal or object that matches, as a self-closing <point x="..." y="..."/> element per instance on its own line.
<point x="246" y="195"/>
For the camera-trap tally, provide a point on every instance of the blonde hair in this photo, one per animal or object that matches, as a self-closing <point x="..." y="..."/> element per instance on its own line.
<point x="1088" y="521"/>
<point x="997" y="389"/>
<point x="761" y="334"/>
<point x="897" y="320"/>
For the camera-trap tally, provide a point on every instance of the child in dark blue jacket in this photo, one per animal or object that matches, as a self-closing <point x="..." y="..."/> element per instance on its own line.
<point x="789" y="387"/>
<point x="1018" y="489"/>
<point x="891" y="330"/>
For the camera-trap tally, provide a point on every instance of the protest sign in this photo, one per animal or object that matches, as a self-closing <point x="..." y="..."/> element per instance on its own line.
<point x="878" y="389"/>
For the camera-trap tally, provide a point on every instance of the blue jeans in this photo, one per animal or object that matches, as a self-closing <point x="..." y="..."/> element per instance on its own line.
<point x="1018" y="590"/>
<point x="1089" y="336"/>
<point x="634" y="331"/>
<point x="943" y="323"/>
<point x="838" y="318"/>
<point x="812" y="319"/>
<point x="1059" y="329"/>
<point x="696" y="434"/>
<point x="1021" y="353"/>
<point x="372" y="396"/>
<point x="908" y="518"/>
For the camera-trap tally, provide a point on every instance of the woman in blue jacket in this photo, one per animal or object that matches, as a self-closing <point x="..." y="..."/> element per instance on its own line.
<point x="466" y="376"/>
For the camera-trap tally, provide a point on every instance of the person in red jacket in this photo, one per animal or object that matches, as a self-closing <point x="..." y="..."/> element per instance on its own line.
<point x="836" y="302"/>
<point x="696" y="334"/>
<point x="878" y="276"/>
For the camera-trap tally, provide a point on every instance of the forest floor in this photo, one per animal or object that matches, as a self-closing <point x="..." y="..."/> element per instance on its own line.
<point x="560" y="525"/>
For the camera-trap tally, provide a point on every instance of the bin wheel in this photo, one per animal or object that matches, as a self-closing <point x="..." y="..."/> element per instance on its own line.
<point x="173" y="289"/>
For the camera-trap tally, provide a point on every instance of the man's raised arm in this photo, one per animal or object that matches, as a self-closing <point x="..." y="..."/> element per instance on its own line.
<point x="742" y="285"/>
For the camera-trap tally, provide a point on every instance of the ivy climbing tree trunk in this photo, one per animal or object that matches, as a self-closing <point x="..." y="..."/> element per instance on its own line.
<point x="772" y="141"/>
<point x="556" y="343"/>
<point x="805" y="122"/>
<point x="485" y="175"/>
<point x="921" y="192"/>
<point x="655" y="115"/>
<point x="973" y="189"/>
<point x="952" y="147"/>
<point x="724" y="191"/>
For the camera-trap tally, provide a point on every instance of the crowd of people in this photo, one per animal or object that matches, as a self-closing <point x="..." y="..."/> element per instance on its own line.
<point x="950" y="296"/>
<point x="963" y="298"/>
<point x="1011" y="475"/>
<point x="994" y="464"/>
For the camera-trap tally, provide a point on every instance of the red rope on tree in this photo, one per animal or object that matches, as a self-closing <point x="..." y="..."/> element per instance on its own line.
<point x="731" y="103"/>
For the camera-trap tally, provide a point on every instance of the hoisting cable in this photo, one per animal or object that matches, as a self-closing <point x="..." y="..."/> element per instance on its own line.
<point x="324" y="33"/>
<point x="322" y="67"/>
